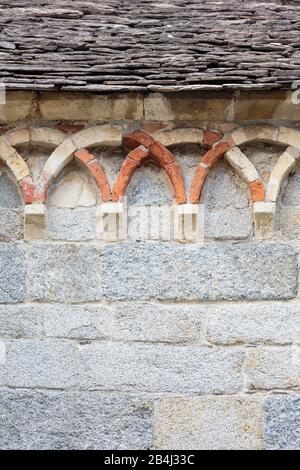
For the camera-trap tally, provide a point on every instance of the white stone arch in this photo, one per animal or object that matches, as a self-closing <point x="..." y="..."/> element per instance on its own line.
<point x="97" y="135"/>
<point x="44" y="136"/>
<point x="264" y="211"/>
<point x="189" y="135"/>
<point x="13" y="160"/>
<point x="241" y="163"/>
<point x="281" y="135"/>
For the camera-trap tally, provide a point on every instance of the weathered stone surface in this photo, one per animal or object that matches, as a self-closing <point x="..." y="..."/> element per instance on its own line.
<point x="160" y="368"/>
<point x="282" y="416"/>
<point x="90" y="107"/>
<point x="12" y="273"/>
<point x="256" y="323"/>
<point x="149" y="186"/>
<point x="72" y="190"/>
<point x="60" y="157"/>
<point x="290" y="191"/>
<point x="18" y="321"/>
<point x="241" y="164"/>
<point x="76" y="321"/>
<point x="17" y="106"/>
<point x="141" y="321"/>
<point x="71" y="224"/>
<point x="173" y="271"/>
<point x="39" y="363"/>
<point x="60" y="420"/>
<point x="269" y="368"/>
<point x="289" y="222"/>
<point x="272" y="104"/>
<point x="188" y="106"/>
<point x="224" y="189"/>
<point x="9" y="195"/>
<point x="107" y="135"/>
<point x="228" y="223"/>
<point x="209" y="423"/>
<point x="65" y="273"/>
<point x="255" y="132"/>
<point x="11" y="225"/>
<point x="264" y="157"/>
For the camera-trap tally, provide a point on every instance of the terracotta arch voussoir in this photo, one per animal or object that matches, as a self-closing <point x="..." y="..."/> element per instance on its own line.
<point x="134" y="160"/>
<point x="207" y="162"/>
<point x="137" y="138"/>
<point x="155" y="151"/>
<point x="95" y="169"/>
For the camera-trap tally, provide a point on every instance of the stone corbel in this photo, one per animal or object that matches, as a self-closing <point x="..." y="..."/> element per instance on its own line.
<point x="112" y="221"/>
<point x="34" y="221"/>
<point x="264" y="217"/>
<point x="188" y="222"/>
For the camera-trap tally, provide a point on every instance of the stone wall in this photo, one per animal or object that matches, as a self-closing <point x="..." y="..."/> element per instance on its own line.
<point x="149" y="342"/>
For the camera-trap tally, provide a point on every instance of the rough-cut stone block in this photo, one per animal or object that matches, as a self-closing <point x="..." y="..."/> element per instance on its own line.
<point x="18" y="106"/>
<point x="39" y="363"/>
<point x="59" y="420"/>
<point x="2" y="352"/>
<point x="34" y="221"/>
<point x="269" y="104"/>
<point x="224" y="189"/>
<point x="213" y="272"/>
<point x="231" y="223"/>
<point x="282" y="418"/>
<point x="253" y="323"/>
<point x="141" y="321"/>
<point x="90" y="107"/>
<point x="273" y="367"/>
<point x="264" y="217"/>
<point x="289" y="222"/>
<point x="65" y="273"/>
<point x="209" y="423"/>
<point x="149" y="186"/>
<point x="18" y="321"/>
<point x="11" y="225"/>
<point x="71" y="224"/>
<point x="76" y="321"/>
<point x="160" y="368"/>
<point x="9" y="195"/>
<point x="242" y="164"/>
<point x="188" y="106"/>
<point x="12" y="273"/>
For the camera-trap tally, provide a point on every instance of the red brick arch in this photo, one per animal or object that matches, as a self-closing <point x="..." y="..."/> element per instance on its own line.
<point x="211" y="157"/>
<point x="144" y="147"/>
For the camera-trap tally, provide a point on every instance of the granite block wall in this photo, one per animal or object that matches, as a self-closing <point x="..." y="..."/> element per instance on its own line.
<point x="147" y="343"/>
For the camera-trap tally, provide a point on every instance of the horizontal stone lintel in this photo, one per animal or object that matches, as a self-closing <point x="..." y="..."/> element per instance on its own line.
<point x="183" y="105"/>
